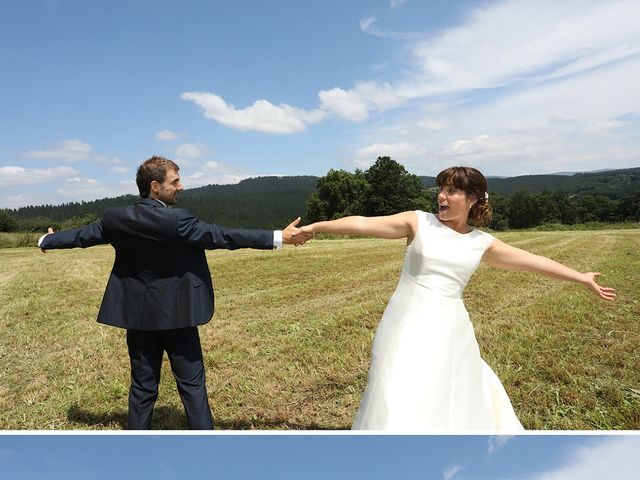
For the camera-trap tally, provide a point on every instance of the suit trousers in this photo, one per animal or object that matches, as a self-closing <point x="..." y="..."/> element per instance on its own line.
<point x="146" y="349"/>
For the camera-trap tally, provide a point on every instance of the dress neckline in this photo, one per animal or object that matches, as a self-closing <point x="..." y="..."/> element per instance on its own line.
<point x="449" y="228"/>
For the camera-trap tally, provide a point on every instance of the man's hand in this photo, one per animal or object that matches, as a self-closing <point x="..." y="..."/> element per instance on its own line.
<point x="295" y="236"/>
<point x="49" y="232"/>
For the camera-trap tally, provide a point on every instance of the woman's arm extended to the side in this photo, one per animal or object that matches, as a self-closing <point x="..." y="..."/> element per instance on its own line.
<point x="501" y="255"/>
<point x="400" y="225"/>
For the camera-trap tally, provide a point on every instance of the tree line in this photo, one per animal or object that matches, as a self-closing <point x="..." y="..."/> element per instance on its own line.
<point x="385" y="188"/>
<point x="263" y="202"/>
<point x="388" y="188"/>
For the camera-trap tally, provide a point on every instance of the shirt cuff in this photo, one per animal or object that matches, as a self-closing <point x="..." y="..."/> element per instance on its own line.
<point x="277" y="239"/>
<point x="42" y="238"/>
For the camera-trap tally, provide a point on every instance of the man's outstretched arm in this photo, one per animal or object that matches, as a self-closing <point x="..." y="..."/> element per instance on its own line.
<point x="82" y="237"/>
<point x="210" y="236"/>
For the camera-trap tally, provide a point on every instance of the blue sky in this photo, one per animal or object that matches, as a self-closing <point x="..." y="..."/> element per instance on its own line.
<point x="237" y="89"/>
<point x="470" y="457"/>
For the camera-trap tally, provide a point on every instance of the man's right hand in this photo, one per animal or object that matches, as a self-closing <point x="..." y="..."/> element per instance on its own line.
<point x="294" y="235"/>
<point x="49" y="232"/>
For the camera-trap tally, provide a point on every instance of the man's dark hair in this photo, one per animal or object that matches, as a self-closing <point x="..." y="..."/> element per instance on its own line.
<point x="153" y="169"/>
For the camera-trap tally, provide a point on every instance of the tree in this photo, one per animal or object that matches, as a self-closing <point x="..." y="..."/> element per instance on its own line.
<point x="338" y="194"/>
<point x="392" y="189"/>
<point x="629" y="207"/>
<point x="524" y="210"/>
<point x="500" y="208"/>
<point x="81" y="221"/>
<point x="7" y="222"/>
<point x="548" y="204"/>
<point x="566" y="207"/>
<point x="593" y="208"/>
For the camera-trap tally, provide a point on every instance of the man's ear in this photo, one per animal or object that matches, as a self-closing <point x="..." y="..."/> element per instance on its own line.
<point x="154" y="187"/>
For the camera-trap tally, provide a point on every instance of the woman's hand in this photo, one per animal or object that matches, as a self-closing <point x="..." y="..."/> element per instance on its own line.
<point x="603" y="292"/>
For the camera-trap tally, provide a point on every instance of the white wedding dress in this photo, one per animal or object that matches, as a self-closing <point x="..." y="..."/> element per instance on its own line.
<point x="426" y="372"/>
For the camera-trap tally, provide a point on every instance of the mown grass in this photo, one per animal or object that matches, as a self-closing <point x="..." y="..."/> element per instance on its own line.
<point x="288" y="347"/>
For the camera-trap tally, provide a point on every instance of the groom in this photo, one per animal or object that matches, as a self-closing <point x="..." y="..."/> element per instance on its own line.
<point x="160" y="286"/>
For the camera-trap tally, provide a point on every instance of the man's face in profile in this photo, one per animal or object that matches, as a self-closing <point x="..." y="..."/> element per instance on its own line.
<point x="168" y="190"/>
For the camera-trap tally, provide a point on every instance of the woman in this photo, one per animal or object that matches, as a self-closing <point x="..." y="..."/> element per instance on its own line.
<point x="426" y="371"/>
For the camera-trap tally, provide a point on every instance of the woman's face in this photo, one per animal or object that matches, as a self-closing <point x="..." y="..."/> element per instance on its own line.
<point x="453" y="203"/>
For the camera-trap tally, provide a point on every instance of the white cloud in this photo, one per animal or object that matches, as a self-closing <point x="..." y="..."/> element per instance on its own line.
<point x="345" y="104"/>
<point x="546" y="128"/>
<point x="451" y="472"/>
<point x="480" y="144"/>
<point x="604" y="127"/>
<point x="213" y="166"/>
<point x="615" y="457"/>
<point x="564" y="124"/>
<point x="511" y="42"/>
<point x="533" y="151"/>
<point x="72" y="150"/>
<point x="396" y="3"/>
<point x="191" y="150"/>
<point x="429" y="123"/>
<point x="401" y="152"/>
<point x="262" y="116"/>
<point x="498" y="441"/>
<point x="166" y="135"/>
<point x="116" y="163"/>
<point x="87" y="189"/>
<point x="355" y="104"/>
<point x="23" y="199"/>
<point x="597" y="95"/>
<point x="212" y="172"/>
<point x="13" y="176"/>
<point x="366" y="23"/>
<point x="198" y="179"/>
<point x="82" y="188"/>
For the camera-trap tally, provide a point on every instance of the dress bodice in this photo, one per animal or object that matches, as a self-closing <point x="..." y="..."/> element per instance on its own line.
<point x="441" y="259"/>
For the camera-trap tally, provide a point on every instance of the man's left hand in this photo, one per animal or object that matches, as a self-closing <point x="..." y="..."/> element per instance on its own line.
<point x="49" y="232"/>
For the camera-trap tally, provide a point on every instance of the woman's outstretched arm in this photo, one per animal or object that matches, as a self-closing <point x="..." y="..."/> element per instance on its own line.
<point x="400" y="225"/>
<point x="501" y="255"/>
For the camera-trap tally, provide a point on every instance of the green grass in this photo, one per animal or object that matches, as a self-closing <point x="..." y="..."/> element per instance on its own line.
<point x="13" y="240"/>
<point x="288" y="347"/>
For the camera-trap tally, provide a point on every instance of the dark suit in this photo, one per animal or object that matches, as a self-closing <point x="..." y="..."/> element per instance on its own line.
<point x="160" y="289"/>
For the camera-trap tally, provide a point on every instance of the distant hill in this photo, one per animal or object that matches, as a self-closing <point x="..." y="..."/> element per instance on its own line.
<point x="262" y="202"/>
<point x="272" y="202"/>
<point x="611" y="183"/>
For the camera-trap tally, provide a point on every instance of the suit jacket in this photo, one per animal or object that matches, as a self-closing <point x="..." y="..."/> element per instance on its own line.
<point x="160" y="278"/>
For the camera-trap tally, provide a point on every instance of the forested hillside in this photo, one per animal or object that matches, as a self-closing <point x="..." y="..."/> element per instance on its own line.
<point x="272" y="202"/>
<point x="263" y="202"/>
<point x="613" y="183"/>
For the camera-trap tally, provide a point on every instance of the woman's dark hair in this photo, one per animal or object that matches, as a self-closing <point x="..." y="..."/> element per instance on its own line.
<point x="153" y="169"/>
<point x="473" y="183"/>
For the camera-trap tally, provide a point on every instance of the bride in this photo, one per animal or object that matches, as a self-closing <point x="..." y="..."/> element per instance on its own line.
<point x="426" y="372"/>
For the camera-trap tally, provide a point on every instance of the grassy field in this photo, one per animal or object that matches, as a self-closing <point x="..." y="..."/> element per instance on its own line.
<point x="288" y="347"/>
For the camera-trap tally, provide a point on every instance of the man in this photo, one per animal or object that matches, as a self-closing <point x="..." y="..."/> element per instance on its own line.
<point x="160" y="286"/>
